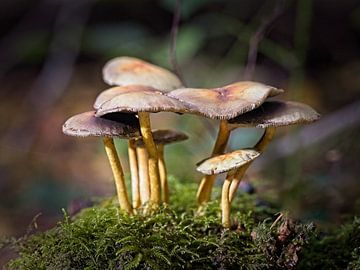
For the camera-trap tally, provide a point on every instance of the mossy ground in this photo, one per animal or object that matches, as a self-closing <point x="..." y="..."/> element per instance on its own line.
<point x="102" y="237"/>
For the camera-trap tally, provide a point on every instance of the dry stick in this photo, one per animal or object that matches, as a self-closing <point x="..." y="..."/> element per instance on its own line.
<point x="144" y="183"/>
<point x="258" y="37"/>
<point x="145" y="128"/>
<point x="173" y="39"/>
<point x="204" y="191"/>
<point x="163" y="175"/>
<point x="118" y="175"/>
<point x="260" y="147"/>
<point x="133" y="163"/>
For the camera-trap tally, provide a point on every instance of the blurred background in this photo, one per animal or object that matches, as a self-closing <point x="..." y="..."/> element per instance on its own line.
<point x="52" y="53"/>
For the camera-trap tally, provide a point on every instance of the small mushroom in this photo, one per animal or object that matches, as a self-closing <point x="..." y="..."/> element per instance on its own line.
<point x="222" y="103"/>
<point x="114" y="125"/>
<point x="142" y="103"/>
<point x="161" y="138"/>
<point x="227" y="163"/>
<point x="270" y="115"/>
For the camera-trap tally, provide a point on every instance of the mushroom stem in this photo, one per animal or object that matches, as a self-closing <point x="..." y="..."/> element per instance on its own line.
<point x="145" y="128"/>
<point x="163" y="175"/>
<point x="260" y="146"/>
<point x="118" y="175"/>
<point x="144" y="184"/>
<point x="133" y="163"/>
<point x="204" y="191"/>
<point x="225" y="202"/>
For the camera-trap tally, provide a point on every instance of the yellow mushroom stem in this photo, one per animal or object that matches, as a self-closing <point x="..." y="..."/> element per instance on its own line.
<point x="145" y="129"/>
<point x="133" y="163"/>
<point x="118" y="175"/>
<point x="163" y="175"/>
<point x="260" y="147"/>
<point x="225" y="202"/>
<point x="144" y="182"/>
<point x="204" y="191"/>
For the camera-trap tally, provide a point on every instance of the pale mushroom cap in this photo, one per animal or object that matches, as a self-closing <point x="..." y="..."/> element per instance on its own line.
<point x="165" y="136"/>
<point x="227" y="162"/>
<point x="129" y="70"/>
<point x="149" y="100"/>
<point x="86" y="124"/>
<point x="114" y="91"/>
<point x="275" y="114"/>
<point x="225" y="102"/>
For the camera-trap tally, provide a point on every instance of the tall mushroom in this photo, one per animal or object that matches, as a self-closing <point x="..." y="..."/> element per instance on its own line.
<point x="142" y="103"/>
<point x="130" y="71"/>
<point x="115" y="125"/>
<point x="228" y="162"/>
<point x="163" y="137"/>
<point x="222" y="103"/>
<point x="270" y="115"/>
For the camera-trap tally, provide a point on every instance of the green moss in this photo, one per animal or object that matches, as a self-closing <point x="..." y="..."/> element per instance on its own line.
<point x="102" y="237"/>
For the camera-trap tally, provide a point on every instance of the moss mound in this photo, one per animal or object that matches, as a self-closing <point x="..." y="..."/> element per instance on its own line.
<point x="102" y="237"/>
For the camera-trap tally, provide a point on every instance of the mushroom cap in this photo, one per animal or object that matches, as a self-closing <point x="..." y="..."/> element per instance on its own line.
<point x="275" y="114"/>
<point x="227" y="162"/>
<point x="129" y="70"/>
<point x="114" y="91"/>
<point x="114" y="125"/>
<point x="165" y="136"/>
<point x="225" y="102"/>
<point x="147" y="100"/>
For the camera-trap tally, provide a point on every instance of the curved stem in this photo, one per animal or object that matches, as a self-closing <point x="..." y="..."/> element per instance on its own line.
<point x="133" y="163"/>
<point x="118" y="175"/>
<point x="204" y="191"/>
<point x="260" y="147"/>
<point x="163" y="175"/>
<point x="225" y="202"/>
<point x="144" y="182"/>
<point x="145" y="128"/>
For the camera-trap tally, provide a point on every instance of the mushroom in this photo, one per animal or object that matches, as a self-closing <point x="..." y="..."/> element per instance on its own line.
<point x="142" y="103"/>
<point x="109" y="126"/>
<point x="161" y="138"/>
<point x="270" y="115"/>
<point x="128" y="70"/>
<point x="222" y="103"/>
<point x="228" y="162"/>
<point x="132" y="72"/>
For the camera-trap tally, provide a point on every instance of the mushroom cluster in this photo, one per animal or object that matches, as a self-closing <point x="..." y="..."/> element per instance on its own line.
<point x="140" y="88"/>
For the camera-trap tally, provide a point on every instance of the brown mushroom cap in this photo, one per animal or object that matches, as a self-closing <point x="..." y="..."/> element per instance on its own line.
<point x="114" y="91"/>
<point x="165" y="136"/>
<point x="276" y="113"/>
<point x="114" y="125"/>
<point x="227" y="162"/>
<point x="225" y="102"/>
<point x="129" y="70"/>
<point x="149" y="100"/>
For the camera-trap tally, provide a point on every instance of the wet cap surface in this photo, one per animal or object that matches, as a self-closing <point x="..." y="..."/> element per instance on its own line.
<point x="275" y="114"/>
<point x="86" y="124"/>
<point x="165" y="136"/>
<point x="129" y="70"/>
<point x="225" y="102"/>
<point x="115" y="91"/>
<point x="142" y="101"/>
<point x="227" y="162"/>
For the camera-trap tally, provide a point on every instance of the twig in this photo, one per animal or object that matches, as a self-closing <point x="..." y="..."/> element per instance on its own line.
<point x="258" y="36"/>
<point x="173" y="39"/>
<point x="57" y="69"/>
